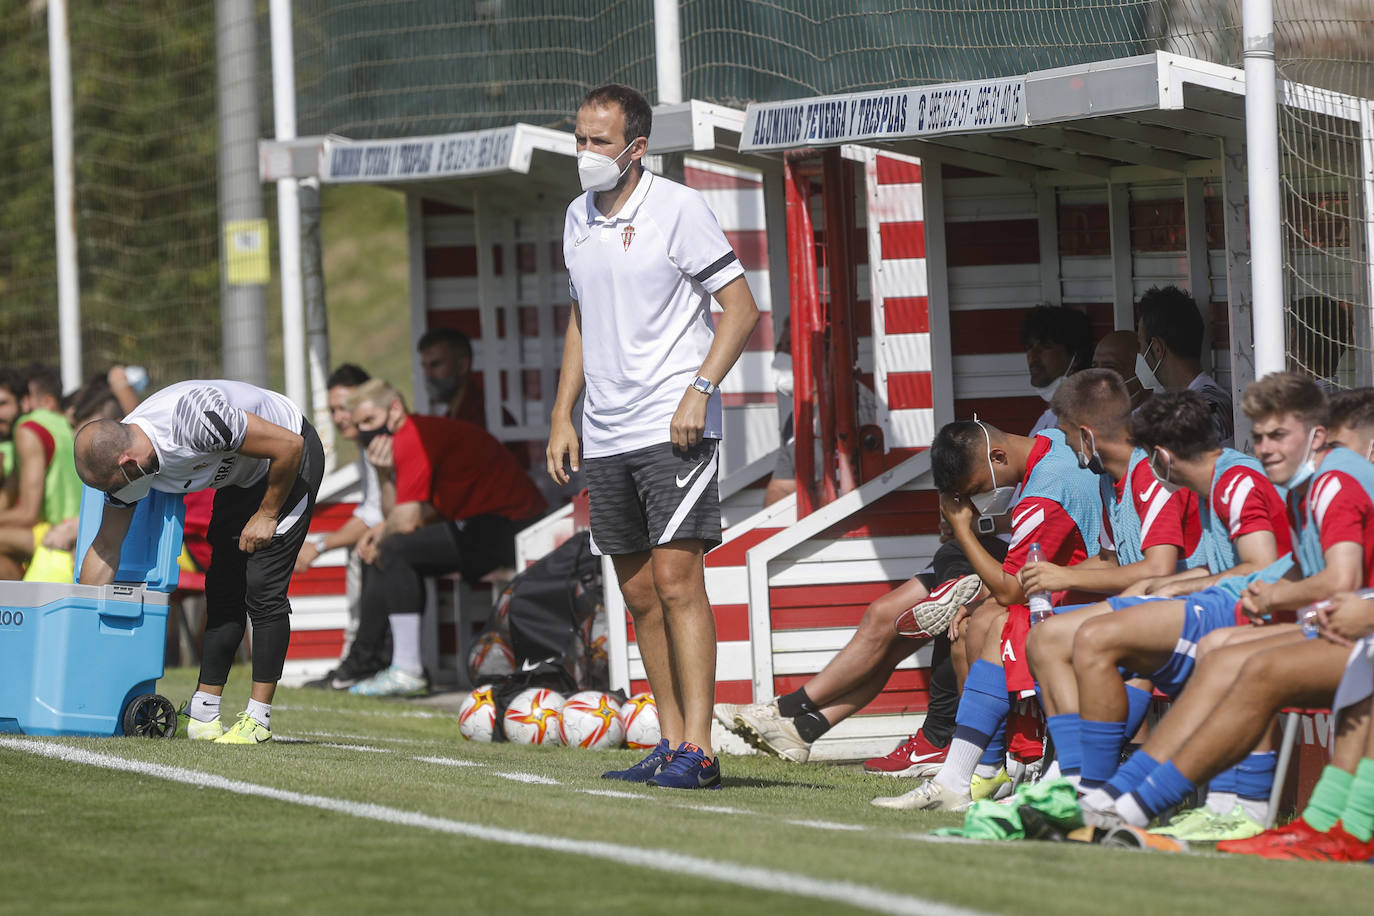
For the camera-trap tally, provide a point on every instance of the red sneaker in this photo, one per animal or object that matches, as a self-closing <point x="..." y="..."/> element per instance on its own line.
<point x="1333" y="846"/>
<point x="916" y="757"/>
<point x="1271" y="843"/>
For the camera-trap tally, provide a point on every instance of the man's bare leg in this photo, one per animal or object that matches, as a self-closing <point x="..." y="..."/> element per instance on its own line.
<point x="636" y="577"/>
<point x="679" y="576"/>
<point x="1049" y="652"/>
<point x="864" y="659"/>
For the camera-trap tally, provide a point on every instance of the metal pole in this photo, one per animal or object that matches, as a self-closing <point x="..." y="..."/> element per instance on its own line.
<point x="288" y="205"/>
<point x="668" y="51"/>
<point x="316" y="315"/>
<point x="243" y="242"/>
<point x="1262" y="171"/>
<point x="64" y="196"/>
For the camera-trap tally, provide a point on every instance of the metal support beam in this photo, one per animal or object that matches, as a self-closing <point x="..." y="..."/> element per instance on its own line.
<point x="1031" y="154"/>
<point x="938" y="152"/>
<point x="937" y="293"/>
<point x="1262" y="173"/>
<point x="1084" y="142"/>
<point x="1199" y="266"/>
<point x="1239" y="302"/>
<point x="1123" y="273"/>
<point x="1152" y="136"/>
<point x="64" y="196"/>
<point x="1051" y="282"/>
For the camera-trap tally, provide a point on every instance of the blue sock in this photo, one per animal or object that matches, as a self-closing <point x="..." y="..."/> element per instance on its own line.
<point x="984" y="706"/>
<point x="1131" y="774"/>
<point x="1064" y="733"/>
<point x="1165" y="788"/>
<point x="995" y="754"/>
<point x="1139" y="702"/>
<point x="1255" y="775"/>
<point x="1101" y="751"/>
<point x="1225" y="781"/>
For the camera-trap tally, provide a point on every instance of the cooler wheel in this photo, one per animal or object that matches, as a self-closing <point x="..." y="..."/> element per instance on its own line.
<point x="150" y="716"/>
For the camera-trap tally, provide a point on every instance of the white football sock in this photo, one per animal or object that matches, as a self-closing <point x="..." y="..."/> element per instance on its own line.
<point x="1053" y="772"/>
<point x="405" y="644"/>
<point x="1221" y="802"/>
<point x="1131" y="812"/>
<point x="1096" y="800"/>
<point x="960" y="761"/>
<point x="986" y="770"/>
<point x="204" y="706"/>
<point x="261" y="713"/>
<point x="1257" y="808"/>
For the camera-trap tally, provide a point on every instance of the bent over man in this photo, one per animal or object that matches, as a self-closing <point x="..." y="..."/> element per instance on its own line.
<point x="265" y="461"/>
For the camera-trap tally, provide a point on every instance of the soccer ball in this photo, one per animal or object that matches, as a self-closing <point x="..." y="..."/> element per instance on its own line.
<point x="532" y="717"/>
<point x="491" y="656"/>
<point x="477" y="715"/>
<point x="639" y="715"/>
<point x="591" y="719"/>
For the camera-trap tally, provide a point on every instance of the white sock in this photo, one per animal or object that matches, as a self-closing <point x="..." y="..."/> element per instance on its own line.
<point x="1257" y="808"/>
<point x="261" y="713"/>
<point x="1073" y="779"/>
<point x="405" y="644"/>
<point x="1096" y="800"/>
<point x="1053" y="772"/>
<point x="1221" y="802"/>
<point x="986" y="770"/>
<point x="204" y="706"/>
<point x="957" y="772"/>
<point x="1131" y="812"/>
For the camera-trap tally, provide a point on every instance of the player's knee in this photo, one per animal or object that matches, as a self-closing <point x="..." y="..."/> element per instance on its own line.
<point x="1211" y="642"/>
<point x="1093" y="643"/>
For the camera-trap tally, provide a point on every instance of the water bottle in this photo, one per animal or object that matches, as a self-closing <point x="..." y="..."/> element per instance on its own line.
<point x="1041" y="607"/>
<point x="1307" y="614"/>
<point x="137" y="377"/>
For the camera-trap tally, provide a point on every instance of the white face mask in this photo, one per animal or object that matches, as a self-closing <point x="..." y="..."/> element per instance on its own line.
<point x="1046" y="392"/>
<point x="1145" y="373"/>
<point x="1162" y="468"/>
<point x="1306" y="468"/>
<point x="996" y="501"/>
<point x="598" y="172"/>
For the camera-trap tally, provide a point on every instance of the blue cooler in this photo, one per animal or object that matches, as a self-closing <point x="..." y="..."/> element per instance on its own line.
<point x="83" y="659"/>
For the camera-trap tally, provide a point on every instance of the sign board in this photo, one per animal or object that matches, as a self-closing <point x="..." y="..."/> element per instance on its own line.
<point x="247" y="262"/>
<point x="478" y="152"/>
<point x="889" y="114"/>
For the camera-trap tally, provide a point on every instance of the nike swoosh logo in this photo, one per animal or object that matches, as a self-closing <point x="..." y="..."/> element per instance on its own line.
<point x="531" y="665"/>
<point x="920" y="758"/>
<point x="577" y="242"/>
<point x="682" y="481"/>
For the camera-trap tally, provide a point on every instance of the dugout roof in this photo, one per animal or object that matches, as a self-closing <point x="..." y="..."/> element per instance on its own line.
<point x="1113" y="120"/>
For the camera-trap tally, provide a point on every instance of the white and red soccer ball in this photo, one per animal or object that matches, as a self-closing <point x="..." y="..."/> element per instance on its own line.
<point x="491" y="656"/>
<point x="639" y="717"/>
<point x="533" y="717"/>
<point x="477" y="715"/>
<point x="591" y="719"/>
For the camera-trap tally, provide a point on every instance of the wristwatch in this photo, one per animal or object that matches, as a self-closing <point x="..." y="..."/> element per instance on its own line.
<point x="318" y="540"/>
<point x="704" y="385"/>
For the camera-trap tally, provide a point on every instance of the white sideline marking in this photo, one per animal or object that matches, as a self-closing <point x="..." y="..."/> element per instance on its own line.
<point x="347" y="747"/>
<point x="449" y="761"/>
<point x="664" y="860"/>
<point x="613" y="793"/>
<point x="400" y="714"/>
<point x="825" y="825"/>
<point x="529" y="778"/>
<point x="364" y="737"/>
<point x="715" y="809"/>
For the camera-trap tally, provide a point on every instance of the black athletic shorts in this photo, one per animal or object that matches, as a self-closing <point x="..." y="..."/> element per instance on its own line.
<point x="653" y="495"/>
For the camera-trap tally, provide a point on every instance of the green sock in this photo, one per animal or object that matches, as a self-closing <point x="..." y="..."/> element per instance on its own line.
<point x="1358" y="816"/>
<point x="1327" y="803"/>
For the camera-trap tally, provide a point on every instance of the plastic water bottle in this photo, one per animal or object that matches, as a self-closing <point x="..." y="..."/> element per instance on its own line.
<point x="1307" y="614"/>
<point x="137" y="377"/>
<point x="1041" y="607"/>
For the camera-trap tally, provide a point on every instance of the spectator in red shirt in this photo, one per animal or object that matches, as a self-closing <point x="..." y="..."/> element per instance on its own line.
<point x="453" y="499"/>
<point x="446" y="361"/>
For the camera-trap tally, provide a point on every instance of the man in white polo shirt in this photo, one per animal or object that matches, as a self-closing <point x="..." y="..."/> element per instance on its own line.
<point x="645" y="255"/>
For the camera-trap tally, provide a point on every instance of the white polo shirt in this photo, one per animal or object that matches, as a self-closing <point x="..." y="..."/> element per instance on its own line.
<point x="643" y="281"/>
<point x="197" y="428"/>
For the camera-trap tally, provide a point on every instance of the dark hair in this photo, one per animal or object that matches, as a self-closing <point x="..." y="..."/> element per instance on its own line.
<point x="451" y="337"/>
<point x="1172" y="315"/>
<point x="347" y="375"/>
<point x="1059" y="324"/>
<point x="1093" y="397"/>
<point x="13" y="381"/>
<point x="639" y="117"/>
<point x="1180" y="421"/>
<point x="1280" y="393"/>
<point x="951" y="454"/>
<point x="1353" y="409"/>
<point x="45" y="378"/>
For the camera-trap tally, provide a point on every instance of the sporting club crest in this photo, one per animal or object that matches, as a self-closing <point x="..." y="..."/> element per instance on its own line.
<point x="627" y="236"/>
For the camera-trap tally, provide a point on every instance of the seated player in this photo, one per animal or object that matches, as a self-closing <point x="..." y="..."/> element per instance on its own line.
<point x="1247" y="531"/>
<point x="981" y="469"/>
<point x="1148" y="531"/>
<point x="1229" y="705"/>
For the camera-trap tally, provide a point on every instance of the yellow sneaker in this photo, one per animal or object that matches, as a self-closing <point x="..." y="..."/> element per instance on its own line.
<point x="990" y="787"/>
<point x="197" y="730"/>
<point x="245" y="730"/>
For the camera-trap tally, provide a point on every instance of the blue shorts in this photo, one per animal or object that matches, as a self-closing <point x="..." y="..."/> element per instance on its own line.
<point x="1210" y="609"/>
<point x="1118" y="602"/>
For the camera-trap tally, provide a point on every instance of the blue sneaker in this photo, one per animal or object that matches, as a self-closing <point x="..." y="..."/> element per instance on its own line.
<point x="689" y="768"/>
<point x="646" y="768"/>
